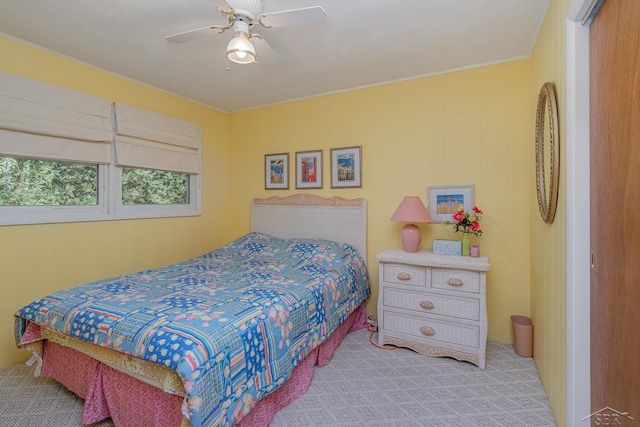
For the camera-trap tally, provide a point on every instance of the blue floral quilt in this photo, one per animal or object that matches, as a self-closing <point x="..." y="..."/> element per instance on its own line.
<point x="233" y="323"/>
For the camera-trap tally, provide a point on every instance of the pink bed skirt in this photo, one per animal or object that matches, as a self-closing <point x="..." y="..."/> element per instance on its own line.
<point x="109" y="392"/>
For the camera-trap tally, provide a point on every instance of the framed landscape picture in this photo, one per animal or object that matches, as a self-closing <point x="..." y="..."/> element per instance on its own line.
<point x="346" y="167"/>
<point x="309" y="169"/>
<point x="276" y="171"/>
<point x="444" y="201"/>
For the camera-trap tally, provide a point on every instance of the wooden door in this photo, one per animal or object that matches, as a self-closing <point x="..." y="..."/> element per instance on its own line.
<point x="615" y="213"/>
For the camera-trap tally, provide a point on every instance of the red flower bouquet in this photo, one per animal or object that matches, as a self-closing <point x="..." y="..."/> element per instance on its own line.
<point x="465" y="222"/>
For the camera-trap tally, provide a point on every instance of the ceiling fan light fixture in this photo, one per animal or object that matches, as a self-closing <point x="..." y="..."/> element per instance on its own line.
<point x="241" y="50"/>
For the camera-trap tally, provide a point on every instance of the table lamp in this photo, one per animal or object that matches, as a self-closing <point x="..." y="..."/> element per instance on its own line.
<point x="411" y="210"/>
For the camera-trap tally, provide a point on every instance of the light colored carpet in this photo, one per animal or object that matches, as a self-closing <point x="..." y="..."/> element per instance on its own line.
<point x="362" y="386"/>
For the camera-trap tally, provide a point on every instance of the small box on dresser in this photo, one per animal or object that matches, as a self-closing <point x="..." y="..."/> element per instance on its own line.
<point x="434" y="304"/>
<point x="447" y="247"/>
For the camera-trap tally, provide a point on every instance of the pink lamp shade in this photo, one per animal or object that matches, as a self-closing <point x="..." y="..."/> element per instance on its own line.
<point x="411" y="210"/>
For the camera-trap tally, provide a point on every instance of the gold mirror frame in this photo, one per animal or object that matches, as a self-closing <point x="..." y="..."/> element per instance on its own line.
<point x="547" y="196"/>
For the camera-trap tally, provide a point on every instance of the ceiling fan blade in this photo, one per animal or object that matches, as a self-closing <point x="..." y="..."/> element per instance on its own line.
<point x="264" y="51"/>
<point x="303" y="16"/>
<point x="194" y="34"/>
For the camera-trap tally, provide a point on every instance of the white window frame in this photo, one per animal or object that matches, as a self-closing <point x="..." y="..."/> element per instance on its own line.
<point x="156" y="211"/>
<point x="109" y="205"/>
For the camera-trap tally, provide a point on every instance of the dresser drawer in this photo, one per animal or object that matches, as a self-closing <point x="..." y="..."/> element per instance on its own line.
<point x="455" y="280"/>
<point x="428" y="330"/>
<point x="404" y="274"/>
<point x="458" y="307"/>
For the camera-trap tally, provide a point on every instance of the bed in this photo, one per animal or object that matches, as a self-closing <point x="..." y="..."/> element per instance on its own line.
<point x="227" y="338"/>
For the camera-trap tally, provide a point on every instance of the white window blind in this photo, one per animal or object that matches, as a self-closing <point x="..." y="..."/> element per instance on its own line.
<point x="149" y="140"/>
<point x="43" y="121"/>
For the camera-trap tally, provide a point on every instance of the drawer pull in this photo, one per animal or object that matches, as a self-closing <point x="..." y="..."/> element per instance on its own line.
<point x="427" y="304"/>
<point x="427" y="330"/>
<point x="454" y="281"/>
<point x="404" y="276"/>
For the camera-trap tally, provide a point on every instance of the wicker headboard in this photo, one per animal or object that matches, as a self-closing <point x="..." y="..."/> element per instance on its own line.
<point x="305" y="215"/>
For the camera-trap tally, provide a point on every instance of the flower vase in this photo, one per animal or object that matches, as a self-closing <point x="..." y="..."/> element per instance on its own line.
<point x="465" y="244"/>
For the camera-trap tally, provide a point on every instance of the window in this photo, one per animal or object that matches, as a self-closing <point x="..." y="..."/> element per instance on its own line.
<point x="35" y="191"/>
<point x="158" y="163"/>
<point x="153" y="187"/>
<point x="27" y="182"/>
<point x="67" y="156"/>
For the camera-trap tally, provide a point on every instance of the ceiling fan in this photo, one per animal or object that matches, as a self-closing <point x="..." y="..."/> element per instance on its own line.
<point x="242" y="15"/>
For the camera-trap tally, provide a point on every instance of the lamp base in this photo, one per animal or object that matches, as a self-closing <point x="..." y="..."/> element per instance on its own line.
<point x="411" y="236"/>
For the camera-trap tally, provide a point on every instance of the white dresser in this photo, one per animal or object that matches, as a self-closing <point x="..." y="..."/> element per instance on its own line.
<point x="434" y="304"/>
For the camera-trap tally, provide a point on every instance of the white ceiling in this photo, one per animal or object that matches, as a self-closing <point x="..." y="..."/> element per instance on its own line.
<point x="361" y="43"/>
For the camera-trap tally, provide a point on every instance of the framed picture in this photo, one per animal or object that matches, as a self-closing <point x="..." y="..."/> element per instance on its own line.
<point x="276" y="171"/>
<point x="445" y="201"/>
<point x="346" y="167"/>
<point x="309" y="169"/>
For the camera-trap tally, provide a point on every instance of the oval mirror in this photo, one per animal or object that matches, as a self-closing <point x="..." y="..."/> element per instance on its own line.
<point x="547" y="152"/>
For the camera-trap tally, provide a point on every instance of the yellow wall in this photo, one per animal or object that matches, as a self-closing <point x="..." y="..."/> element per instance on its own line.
<point x="39" y="259"/>
<point x="548" y="246"/>
<point x="465" y="127"/>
